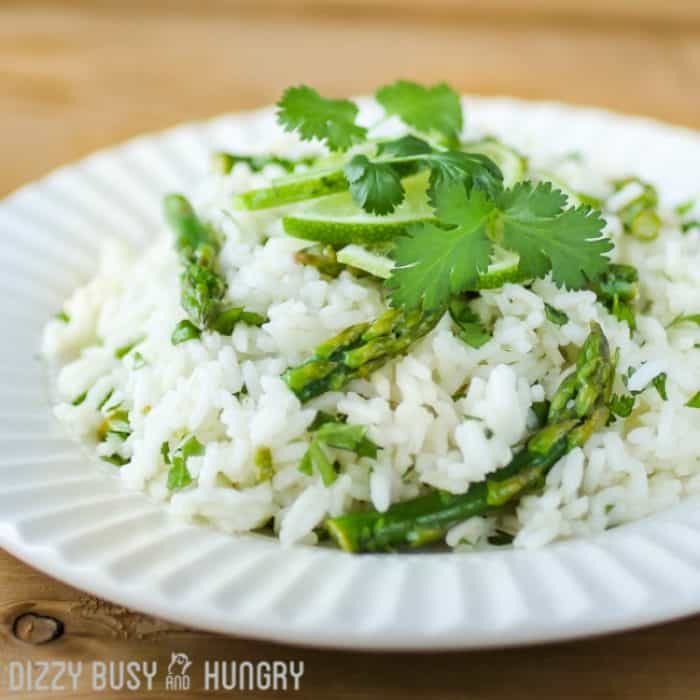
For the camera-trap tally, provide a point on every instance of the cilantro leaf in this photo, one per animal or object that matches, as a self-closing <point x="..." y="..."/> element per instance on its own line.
<point x="179" y="475"/>
<point x="694" y="401"/>
<point x="569" y="243"/>
<point x="302" y="109"/>
<point x="435" y="263"/>
<point x="622" y="405"/>
<point x="555" y="316"/>
<point x="470" y="169"/>
<point x="376" y="184"/>
<point x="427" y="109"/>
<point x="405" y="146"/>
<point x="347" y="437"/>
<point x="659" y="383"/>
<point x="376" y="187"/>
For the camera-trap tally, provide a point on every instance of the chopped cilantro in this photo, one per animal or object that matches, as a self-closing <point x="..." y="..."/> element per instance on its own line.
<point x="659" y="383"/>
<point x="347" y="437"/>
<point x="115" y="459"/>
<point x="105" y="399"/>
<point x="338" y="435"/>
<point x="139" y="360"/>
<point x="124" y="350"/>
<point x="178" y="475"/>
<point x="622" y="405"/>
<point x="695" y="401"/>
<point x="555" y="316"/>
<point x="79" y="399"/>
<point x="185" y="330"/>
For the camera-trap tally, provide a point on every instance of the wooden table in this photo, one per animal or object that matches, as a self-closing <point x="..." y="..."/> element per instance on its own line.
<point x="75" y="76"/>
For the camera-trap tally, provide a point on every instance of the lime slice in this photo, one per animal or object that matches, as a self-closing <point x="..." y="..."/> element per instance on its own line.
<point x="293" y="188"/>
<point x="513" y="165"/>
<point x="339" y="221"/>
<point x="369" y="261"/>
<point x="502" y="270"/>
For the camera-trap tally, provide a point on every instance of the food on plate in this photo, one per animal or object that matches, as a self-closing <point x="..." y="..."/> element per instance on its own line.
<point x="388" y="328"/>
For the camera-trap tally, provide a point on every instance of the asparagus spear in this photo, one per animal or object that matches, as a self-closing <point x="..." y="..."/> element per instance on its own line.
<point x="578" y="409"/>
<point x="202" y="287"/>
<point x="358" y="351"/>
<point x="322" y="257"/>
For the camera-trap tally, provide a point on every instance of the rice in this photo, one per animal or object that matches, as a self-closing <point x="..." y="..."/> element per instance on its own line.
<point x="227" y="391"/>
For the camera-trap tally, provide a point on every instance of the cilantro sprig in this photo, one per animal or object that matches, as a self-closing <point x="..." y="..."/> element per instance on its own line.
<point x="474" y="213"/>
<point x="376" y="184"/>
<point x="434" y="263"/>
<point x="302" y="109"/>
<point x="430" y="110"/>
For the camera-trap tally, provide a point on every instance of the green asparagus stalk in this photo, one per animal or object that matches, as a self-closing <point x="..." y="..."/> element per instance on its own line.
<point x="322" y="257"/>
<point x="202" y="287"/>
<point x="358" y="351"/>
<point x="578" y="409"/>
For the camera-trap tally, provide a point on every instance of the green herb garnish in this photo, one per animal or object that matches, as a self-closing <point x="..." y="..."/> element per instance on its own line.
<point x="429" y="110"/>
<point x="336" y="435"/>
<point x="116" y="460"/>
<point x="185" y="330"/>
<point x="179" y="476"/>
<point x="622" y="405"/>
<point x="555" y="316"/>
<point x="434" y="263"/>
<point x="139" y="360"/>
<point x="303" y="110"/>
<point x="694" y="402"/>
<point x="659" y="383"/>
<point x="124" y="350"/>
<point x="79" y="399"/>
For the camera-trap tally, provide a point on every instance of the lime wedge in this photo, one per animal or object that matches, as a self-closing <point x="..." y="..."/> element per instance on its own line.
<point x="339" y="221"/>
<point x="293" y="188"/>
<point x="513" y="165"/>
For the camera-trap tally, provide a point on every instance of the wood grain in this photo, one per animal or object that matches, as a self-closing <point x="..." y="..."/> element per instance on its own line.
<point x="76" y="76"/>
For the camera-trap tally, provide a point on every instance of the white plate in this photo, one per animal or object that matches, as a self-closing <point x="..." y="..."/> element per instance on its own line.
<point x="66" y="516"/>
